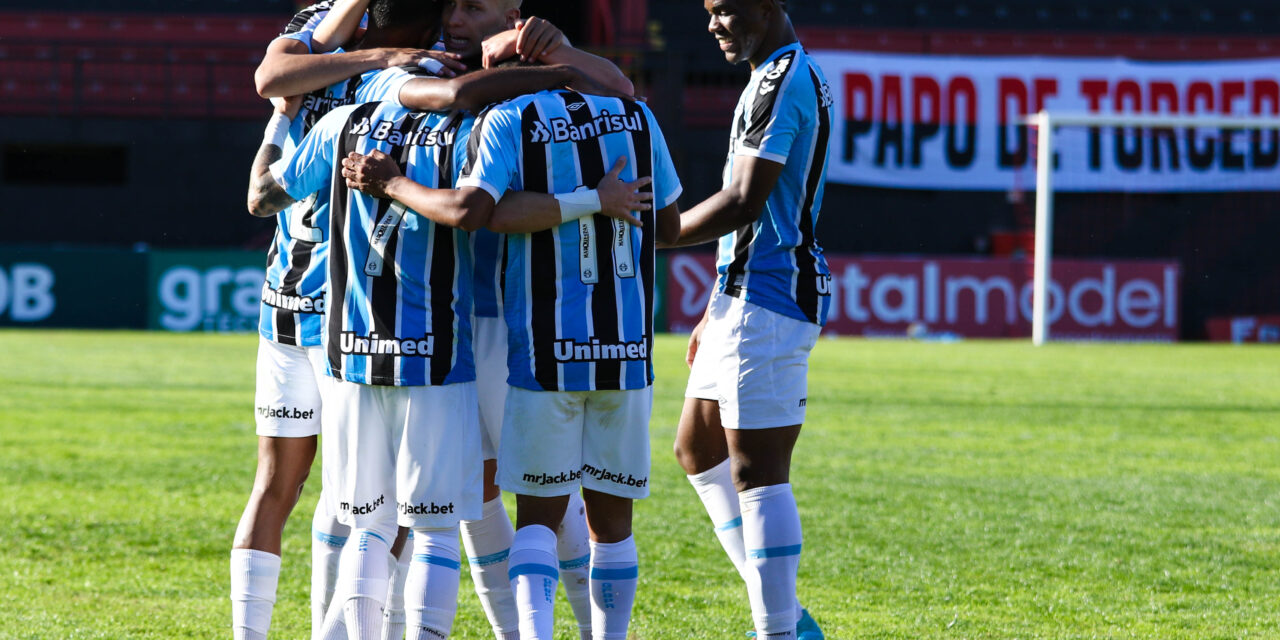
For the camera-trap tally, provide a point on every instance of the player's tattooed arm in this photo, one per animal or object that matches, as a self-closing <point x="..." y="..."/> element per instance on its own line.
<point x="261" y="196"/>
<point x="289" y="68"/>
<point x="537" y="40"/>
<point x="266" y="196"/>
<point x="530" y="212"/>
<point x="378" y="175"/>
<point x="735" y="206"/>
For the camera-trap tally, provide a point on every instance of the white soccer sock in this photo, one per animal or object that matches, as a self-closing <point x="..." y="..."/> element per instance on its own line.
<point x="720" y="498"/>
<point x="771" y="530"/>
<point x="533" y="574"/>
<point x="327" y="537"/>
<point x="488" y="544"/>
<point x="615" y="571"/>
<point x="573" y="549"/>
<point x="363" y="573"/>
<point x="393" y="619"/>
<point x="254" y="575"/>
<point x="431" y="592"/>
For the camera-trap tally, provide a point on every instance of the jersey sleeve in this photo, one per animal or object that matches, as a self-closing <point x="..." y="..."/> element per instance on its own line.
<point x="493" y="152"/>
<point x="778" y="113"/>
<point x="666" y="182"/>
<point x="310" y="167"/>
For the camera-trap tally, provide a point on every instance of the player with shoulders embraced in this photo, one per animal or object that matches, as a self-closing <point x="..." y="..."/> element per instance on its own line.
<point x="578" y="304"/>
<point x="747" y="392"/>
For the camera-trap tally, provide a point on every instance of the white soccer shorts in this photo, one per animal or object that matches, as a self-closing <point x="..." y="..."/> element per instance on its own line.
<point x="287" y="395"/>
<point x="490" y="345"/>
<point x="754" y="363"/>
<point x="411" y="451"/>
<point x="555" y="441"/>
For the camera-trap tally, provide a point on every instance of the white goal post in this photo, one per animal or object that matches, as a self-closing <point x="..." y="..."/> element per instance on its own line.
<point x="1045" y="122"/>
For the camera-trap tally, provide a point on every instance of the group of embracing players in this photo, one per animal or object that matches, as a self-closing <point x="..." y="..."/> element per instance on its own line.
<point x="460" y="297"/>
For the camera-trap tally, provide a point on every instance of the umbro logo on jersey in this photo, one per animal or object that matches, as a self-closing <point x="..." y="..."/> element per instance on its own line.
<point x="352" y="344"/>
<point x="564" y="130"/>
<point x="577" y="105"/>
<point x="571" y="351"/>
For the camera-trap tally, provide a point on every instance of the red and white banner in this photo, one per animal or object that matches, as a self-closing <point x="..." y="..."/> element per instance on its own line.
<point x="977" y="298"/>
<point x="951" y="122"/>
<point x="1240" y="329"/>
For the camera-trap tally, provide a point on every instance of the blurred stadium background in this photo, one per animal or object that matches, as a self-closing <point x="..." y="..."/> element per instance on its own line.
<point x="127" y="126"/>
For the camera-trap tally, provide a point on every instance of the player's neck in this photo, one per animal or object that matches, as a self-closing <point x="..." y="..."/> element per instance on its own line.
<point x="779" y="35"/>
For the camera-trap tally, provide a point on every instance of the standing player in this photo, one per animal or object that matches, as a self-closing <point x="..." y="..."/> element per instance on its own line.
<point x="481" y="32"/>
<point x="746" y="396"/>
<point x="398" y="336"/>
<point x="578" y="306"/>
<point x="287" y="398"/>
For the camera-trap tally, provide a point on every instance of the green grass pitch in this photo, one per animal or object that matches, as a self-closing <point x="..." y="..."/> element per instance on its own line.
<point x="971" y="490"/>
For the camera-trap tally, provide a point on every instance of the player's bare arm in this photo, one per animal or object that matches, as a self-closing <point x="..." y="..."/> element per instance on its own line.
<point x="269" y="152"/>
<point x="530" y="212"/>
<point x="266" y="196"/>
<point x="475" y="90"/>
<point x="537" y="40"/>
<point x="470" y="208"/>
<point x="289" y="68"/>
<point x="731" y="208"/>
<point x="339" y="25"/>
<point x="378" y="175"/>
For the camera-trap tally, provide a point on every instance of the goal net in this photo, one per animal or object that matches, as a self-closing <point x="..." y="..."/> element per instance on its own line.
<point x="1187" y="188"/>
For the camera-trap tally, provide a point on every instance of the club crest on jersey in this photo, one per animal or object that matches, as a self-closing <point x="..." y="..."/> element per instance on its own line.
<point x="573" y="351"/>
<point x="564" y="130"/>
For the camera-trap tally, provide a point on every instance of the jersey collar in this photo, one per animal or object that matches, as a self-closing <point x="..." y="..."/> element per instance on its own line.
<point x="783" y="50"/>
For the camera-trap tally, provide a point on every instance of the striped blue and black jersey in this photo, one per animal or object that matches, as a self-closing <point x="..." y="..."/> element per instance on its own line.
<point x="399" y="296"/>
<point x="488" y="248"/>
<point x="578" y="299"/>
<point x="783" y="116"/>
<point x="303" y="25"/>
<point x="292" y="296"/>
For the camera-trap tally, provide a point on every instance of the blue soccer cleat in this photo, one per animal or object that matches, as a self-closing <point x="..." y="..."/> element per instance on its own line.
<point x="806" y="629"/>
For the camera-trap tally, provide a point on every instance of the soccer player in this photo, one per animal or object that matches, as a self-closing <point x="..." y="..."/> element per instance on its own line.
<point x="578" y="303"/>
<point x="746" y="396"/>
<point x="287" y="397"/>
<point x="480" y="33"/>
<point x="402" y="414"/>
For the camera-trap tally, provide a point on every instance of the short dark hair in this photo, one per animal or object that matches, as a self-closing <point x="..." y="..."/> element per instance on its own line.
<point x="386" y="14"/>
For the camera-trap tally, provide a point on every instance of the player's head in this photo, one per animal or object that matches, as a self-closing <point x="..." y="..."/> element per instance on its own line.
<point x="740" y="26"/>
<point x="468" y="22"/>
<point x="410" y="22"/>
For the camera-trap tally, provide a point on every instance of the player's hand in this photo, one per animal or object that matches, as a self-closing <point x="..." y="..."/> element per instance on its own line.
<point x="695" y="339"/>
<point x="618" y="199"/>
<point x="289" y="107"/>
<point x="537" y="38"/>
<point x="409" y="57"/>
<point x="450" y="63"/>
<point x="370" y="174"/>
<point x="498" y="48"/>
